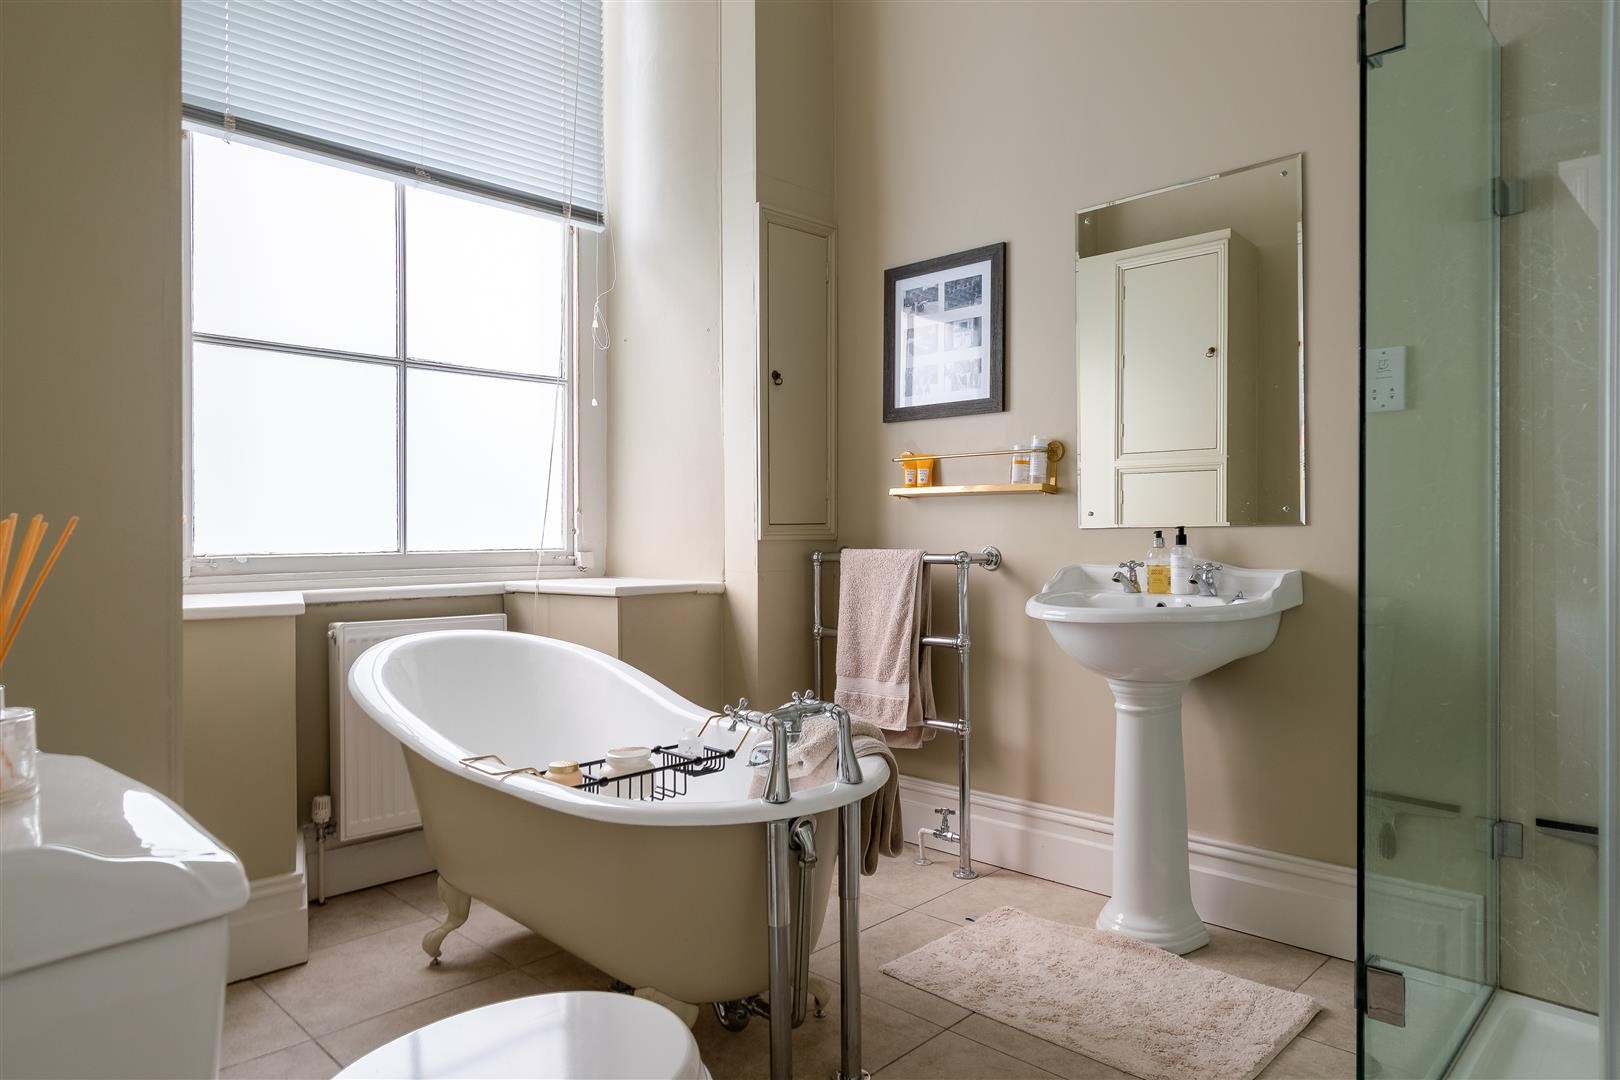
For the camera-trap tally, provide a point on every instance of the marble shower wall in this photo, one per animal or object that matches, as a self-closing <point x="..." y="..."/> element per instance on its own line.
<point x="1551" y="411"/>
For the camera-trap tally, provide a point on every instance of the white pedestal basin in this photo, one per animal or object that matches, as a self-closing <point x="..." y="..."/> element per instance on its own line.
<point x="1148" y="648"/>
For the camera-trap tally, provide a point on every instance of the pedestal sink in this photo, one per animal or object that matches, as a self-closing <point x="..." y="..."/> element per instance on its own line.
<point x="1149" y="648"/>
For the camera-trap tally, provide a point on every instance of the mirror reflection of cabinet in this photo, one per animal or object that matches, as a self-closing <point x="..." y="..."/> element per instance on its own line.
<point x="1167" y="339"/>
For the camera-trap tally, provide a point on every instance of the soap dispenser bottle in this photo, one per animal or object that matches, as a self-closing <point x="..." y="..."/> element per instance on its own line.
<point x="1182" y="561"/>
<point x="1158" y="566"/>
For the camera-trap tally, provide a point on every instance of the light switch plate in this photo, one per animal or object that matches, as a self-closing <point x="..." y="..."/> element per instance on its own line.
<point x="1386" y="379"/>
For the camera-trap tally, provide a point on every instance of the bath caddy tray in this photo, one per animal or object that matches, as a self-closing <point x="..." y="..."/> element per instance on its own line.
<point x="665" y="780"/>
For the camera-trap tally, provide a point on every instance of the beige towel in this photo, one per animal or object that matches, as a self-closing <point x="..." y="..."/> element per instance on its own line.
<point x="883" y="671"/>
<point x="813" y="761"/>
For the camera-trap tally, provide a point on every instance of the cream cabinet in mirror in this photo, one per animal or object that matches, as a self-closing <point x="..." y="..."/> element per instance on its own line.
<point x="1188" y="352"/>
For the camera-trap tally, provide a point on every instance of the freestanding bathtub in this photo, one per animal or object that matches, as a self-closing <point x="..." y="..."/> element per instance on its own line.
<point x="669" y="894"/>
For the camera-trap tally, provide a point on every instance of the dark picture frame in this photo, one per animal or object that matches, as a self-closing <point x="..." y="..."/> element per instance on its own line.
<point x="952" y="359"/>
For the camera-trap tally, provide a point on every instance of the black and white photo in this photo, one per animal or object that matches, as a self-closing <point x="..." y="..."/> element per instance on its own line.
<point x="942" y="350"/>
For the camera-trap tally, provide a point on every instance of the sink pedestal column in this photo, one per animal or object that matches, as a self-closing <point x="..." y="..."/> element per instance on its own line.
<point x="1152" y="899"/>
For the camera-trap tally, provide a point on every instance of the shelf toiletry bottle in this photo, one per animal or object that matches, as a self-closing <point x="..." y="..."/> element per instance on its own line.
<point x="908" y="469"/>
<point x="1182" y="561"/>
<point x="1158" y="566"/>
<point x="1040" y="470"/>
<point x="1020" y="465"/>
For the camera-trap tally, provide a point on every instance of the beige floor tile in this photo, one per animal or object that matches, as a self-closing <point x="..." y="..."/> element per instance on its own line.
<point x="886" y="1034"/>
<point x="901" y="881"/>
<point x="421" y="892"/>
<point x="306" y="1061"/>
<point x="345" y="984"/>
<point x="354" y="915"/>
<point x="1045" y="899"/>
<point x="951" y="1057"/>
<point x="254" y="1025"/>
<point x="1026" y="1047"/>
<point x="1304" y="1059"/>
<point x="564" y="971"/>
<point x="506" y="938"/>
<point x="888" y="939"/>
<point x="874" y="909"/>
<point x="1256" y="958"/>
<point x="353" y="1043"/>
<point x="1334" y="987"/>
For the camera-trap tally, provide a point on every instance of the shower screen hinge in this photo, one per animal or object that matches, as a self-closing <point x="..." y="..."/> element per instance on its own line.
<point x="1507" y="840"/>
<point x="1386" y="995"/>
<point x="1383" y="30"/>
<point x="1507" y="197"/>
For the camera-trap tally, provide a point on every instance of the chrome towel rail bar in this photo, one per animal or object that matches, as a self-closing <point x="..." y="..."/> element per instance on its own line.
<point x="990" y="559"/>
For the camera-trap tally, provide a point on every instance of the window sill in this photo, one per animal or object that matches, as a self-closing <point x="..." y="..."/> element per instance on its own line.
<point x="259" y="605"/>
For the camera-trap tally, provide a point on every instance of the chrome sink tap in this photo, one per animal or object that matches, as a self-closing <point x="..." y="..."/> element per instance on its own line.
<point x="1204" y="577"/>
<point x="1126" y="575"/>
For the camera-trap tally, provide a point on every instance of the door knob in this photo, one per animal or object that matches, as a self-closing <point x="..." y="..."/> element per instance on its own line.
<point x="776" y="376"/>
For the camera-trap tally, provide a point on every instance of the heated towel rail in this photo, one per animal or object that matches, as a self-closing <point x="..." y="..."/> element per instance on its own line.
<point x="990" y="559"/>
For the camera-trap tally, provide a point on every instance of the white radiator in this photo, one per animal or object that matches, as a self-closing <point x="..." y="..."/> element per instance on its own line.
<point x="371" y="790"/>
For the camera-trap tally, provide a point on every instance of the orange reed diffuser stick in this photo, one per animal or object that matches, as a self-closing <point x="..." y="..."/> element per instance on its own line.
<point x="12" y="579"/>
<point x="25" y="559"/>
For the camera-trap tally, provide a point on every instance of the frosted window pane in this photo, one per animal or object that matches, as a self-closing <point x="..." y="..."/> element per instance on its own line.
<point x="484" y="284"/>
<point x="478" y="452"/>
<point x="291" y="454"/>
<point x="287" y="250"/>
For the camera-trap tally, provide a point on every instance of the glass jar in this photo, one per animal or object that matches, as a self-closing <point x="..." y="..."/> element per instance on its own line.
<point x="19" y="754"/>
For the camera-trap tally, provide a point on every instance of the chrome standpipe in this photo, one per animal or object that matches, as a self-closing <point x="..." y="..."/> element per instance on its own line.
<point x="779" y="917"/>
<point x="790" y="971"/>
<point x="849" y="943"/>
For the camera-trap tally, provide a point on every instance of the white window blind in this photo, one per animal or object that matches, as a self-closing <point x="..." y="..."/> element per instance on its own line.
<point x="495" y="97"/>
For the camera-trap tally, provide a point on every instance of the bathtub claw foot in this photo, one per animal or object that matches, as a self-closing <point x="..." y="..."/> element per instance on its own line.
<point x="457" y="905"/>
<point x="732" y="1015"/>
<point x="820" y="995"/>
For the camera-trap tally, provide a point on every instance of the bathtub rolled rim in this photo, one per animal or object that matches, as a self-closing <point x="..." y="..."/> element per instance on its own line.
<point x="370" y="690"/>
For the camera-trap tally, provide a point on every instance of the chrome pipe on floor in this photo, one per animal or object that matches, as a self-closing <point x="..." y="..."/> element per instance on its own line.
<point x="779" y="912"/>
<point x="849" y="943"/>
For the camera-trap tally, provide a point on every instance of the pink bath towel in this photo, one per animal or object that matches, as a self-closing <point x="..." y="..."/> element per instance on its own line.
<point x="883" y="671"/>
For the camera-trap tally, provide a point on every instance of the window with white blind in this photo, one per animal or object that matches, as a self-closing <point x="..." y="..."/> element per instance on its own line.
<point x="384" y="346"/>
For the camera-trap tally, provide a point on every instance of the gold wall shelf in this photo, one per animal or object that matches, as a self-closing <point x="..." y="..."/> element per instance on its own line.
<point x="1048" y="488"/>
<point x="1054" y="453"/>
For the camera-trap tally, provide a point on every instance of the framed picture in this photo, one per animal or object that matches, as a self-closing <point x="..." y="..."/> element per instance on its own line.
<point x="942" y="336"/>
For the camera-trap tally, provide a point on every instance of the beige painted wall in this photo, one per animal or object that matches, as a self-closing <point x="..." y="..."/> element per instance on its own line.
<point x="776" y="148"/>
<point x="662" y="375"/>
<point x="90" y="338"/>
<point x="1064" y="106"/>
<point x="239" y="738"/>
<point x="673" y="637"/>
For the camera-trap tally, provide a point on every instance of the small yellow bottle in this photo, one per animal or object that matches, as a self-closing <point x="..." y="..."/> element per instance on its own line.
<point x="1158" y="566"/>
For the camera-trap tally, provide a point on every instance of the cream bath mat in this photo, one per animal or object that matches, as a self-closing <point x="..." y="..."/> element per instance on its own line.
<point x="1109" y="997"/>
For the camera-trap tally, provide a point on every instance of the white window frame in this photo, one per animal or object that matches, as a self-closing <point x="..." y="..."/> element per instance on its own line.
<point x="583" y="470"/>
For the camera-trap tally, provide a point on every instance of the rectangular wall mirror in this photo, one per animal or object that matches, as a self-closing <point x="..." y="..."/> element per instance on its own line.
<point x="1190" y="346"/>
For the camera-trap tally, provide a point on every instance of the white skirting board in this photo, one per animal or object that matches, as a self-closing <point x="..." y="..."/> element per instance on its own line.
<point x="271" y="931"/>
<point x="1282" y="897"/>
<point x="361" y="865"/>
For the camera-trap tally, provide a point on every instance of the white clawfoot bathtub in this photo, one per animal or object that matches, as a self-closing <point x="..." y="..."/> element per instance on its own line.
<point x="669" y="894"/>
